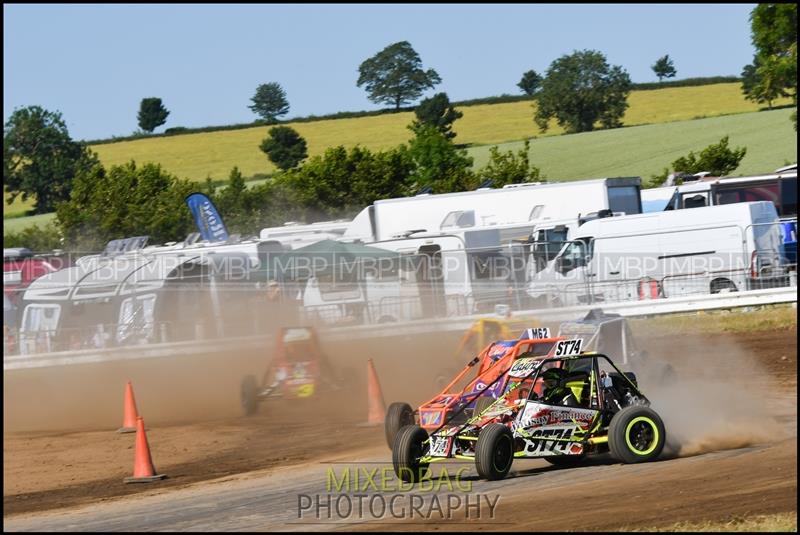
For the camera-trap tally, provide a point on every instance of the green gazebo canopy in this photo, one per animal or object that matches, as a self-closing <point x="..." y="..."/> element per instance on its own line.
<point x="326" y="257"/>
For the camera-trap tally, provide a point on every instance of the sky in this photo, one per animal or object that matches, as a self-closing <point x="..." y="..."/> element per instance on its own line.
<point x="95" y="63"/>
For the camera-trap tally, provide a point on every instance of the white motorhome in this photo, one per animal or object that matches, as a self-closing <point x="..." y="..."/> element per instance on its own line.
<point x="664" y="254"/>
<point x="428" y="279"/>
<point x="293" y="235"/>
<point x="457" y="273"/>
<point x="780" y="188"/>
<point x="513" y="204"/>
<point x="137" y="298"/>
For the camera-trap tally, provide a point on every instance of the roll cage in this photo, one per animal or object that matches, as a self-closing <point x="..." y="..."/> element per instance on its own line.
<point x="621" y="383"/>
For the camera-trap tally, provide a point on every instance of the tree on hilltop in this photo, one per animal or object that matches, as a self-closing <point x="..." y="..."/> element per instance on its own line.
<point x="395" y="75"/>
<point x="664" y="68"/>
<point x="581" y="89"/>
<point x="152" y="114"/>
<point x="270" y="102"/>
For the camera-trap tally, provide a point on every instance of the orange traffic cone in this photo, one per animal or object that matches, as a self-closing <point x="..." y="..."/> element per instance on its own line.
<point x="143" y="469"/>
<point x="130" y="415"/>
<point x="377" y="409"/>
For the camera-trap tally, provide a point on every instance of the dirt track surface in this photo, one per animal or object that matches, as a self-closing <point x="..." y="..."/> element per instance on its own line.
<point x="728" y="469"/>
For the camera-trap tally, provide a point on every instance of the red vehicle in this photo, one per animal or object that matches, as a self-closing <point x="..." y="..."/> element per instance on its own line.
<point x="298" y="369"/>
<point x="494" y="361"/>
<point x="21" y="267"/>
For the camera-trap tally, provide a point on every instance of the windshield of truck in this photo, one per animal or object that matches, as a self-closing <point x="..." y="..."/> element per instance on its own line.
<point x="574" y="255"/>
<point x="624" y="199"/>
<point x="547" y="244"/>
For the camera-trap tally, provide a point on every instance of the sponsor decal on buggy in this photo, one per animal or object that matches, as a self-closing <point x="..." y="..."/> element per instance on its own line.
<point x="431" y="418"/>
<point x="565" y="348"/>
<point x="536" y="333"/>
<point x="440" y="446"/>
<point x="536" y="414"/>
<point x="538" y="445"/>
<point x="523" y="367"/>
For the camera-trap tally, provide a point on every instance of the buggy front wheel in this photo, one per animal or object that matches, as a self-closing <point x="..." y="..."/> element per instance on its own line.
<point x="494" y="452"/>
<point x="636" y="434"/>
<point x="408" y="449"/>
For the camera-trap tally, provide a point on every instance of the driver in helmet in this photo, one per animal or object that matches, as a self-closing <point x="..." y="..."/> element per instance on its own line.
<point x="554" y="391"/>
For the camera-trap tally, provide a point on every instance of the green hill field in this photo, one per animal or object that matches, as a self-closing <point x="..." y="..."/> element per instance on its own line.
<point x="213" y="154"/>
<point x="646" y="150"/>
<point x="671" y="122"/>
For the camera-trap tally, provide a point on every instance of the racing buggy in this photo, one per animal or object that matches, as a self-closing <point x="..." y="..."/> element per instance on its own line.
<point x="458" y="401"/>
<point x="562" y="408"/>
<point x="297" y="371"/>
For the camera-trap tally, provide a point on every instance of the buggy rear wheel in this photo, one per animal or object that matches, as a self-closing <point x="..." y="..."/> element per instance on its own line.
<point x="407" y="450"/>
<point x="398" y="416"/>
<point x="494" y="452"/>
<point x="249" y="394"/>
<point x="636" y="434"/>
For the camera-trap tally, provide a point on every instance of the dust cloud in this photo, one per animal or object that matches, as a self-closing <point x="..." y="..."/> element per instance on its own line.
<point x="717" y="397"/>
<point x="205" y="386"/>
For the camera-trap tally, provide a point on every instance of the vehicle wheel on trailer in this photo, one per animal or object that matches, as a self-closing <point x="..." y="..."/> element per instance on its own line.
<point x="481" y="404"/>
<point x="722" y="285"/>
<point x="249" y="395"/>
<point x="636" y="434"/>
<point x="494" y="452"/>
<point x="398" y="415"/>
<point x="407" y="450"/>
<point x="566" y="461"/>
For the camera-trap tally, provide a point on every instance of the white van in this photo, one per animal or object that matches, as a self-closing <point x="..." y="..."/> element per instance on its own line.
<point x="664" y="254"/>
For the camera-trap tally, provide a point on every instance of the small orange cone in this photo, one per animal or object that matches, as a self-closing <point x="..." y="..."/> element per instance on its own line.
<point x="377" y="409"/>
<point x="143" y="469"/>
<point x="130" y="415"/>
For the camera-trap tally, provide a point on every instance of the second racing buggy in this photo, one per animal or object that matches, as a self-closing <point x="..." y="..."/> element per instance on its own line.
<point x="298" y="369"/>
<point x="586" y="406"/>
<point x="458" y="400"/>
<point x="610" y="334"/>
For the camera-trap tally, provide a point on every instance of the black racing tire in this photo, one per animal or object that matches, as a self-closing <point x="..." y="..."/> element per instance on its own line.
<point x="494" y="452"/>
<point x="636" y="434"/>
<point x="249" y="394"/>
<point x="481" y="404"/>
<point x="407" y="449"/>
<point x="566" y="461"/>
<point x="398" y="415"/>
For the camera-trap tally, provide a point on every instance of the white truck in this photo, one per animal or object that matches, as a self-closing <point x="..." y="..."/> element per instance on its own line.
<point x="664" y="254"/>
<point x="513" y="204"/>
